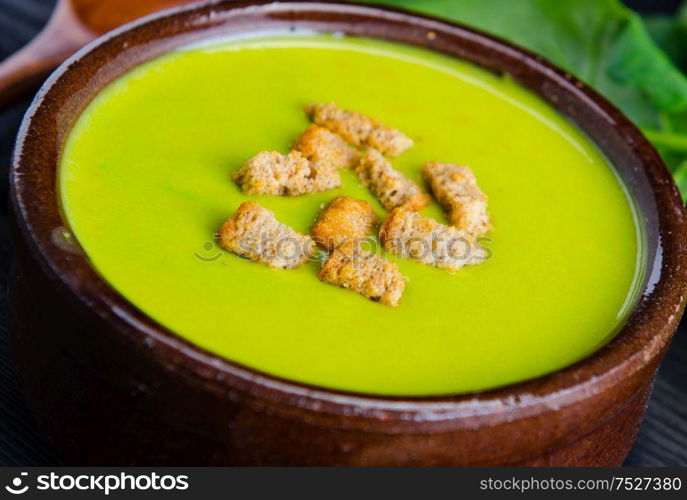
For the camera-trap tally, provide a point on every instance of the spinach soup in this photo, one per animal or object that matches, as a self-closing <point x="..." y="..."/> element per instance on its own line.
<point x="145" y="183"/>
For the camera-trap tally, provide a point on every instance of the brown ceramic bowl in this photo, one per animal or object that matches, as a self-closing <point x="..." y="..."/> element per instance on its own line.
<point x="108" y="385"/>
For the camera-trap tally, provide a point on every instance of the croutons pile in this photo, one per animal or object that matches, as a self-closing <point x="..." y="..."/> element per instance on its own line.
<point x="340" y="138"/>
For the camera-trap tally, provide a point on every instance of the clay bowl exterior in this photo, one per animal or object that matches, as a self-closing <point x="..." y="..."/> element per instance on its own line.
<point x="108" y="385"/>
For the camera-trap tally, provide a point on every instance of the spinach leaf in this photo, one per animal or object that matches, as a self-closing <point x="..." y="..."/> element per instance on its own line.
<point x="635" y="60"/>
<point x="670" y="33"/>
<point x="669" y="36"/>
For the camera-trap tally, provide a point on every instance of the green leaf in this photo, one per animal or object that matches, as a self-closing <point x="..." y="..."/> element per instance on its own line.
<point x="601" y="42"/>
<point x="668" y="33"/>
<point x="668" y="140"/>
<point x="636" y="60"/>
<point x="680" y="175"/>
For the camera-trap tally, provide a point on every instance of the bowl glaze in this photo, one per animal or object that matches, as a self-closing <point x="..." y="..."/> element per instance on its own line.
<point x="110" y="386"/>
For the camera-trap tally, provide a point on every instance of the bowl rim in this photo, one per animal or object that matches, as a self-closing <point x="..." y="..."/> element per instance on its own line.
<point x="639" y="343"/>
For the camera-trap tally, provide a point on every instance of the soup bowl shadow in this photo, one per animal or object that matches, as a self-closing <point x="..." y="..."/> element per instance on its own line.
<point x="110" y="386"/>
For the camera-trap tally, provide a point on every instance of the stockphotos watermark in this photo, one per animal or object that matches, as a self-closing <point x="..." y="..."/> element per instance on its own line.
<point x="437" y="247"/>
<point x="225" y="483"/>
<point x="105" y="484"/>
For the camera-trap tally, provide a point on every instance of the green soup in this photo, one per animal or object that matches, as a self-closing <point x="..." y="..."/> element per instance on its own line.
<point x="145" y="184"/>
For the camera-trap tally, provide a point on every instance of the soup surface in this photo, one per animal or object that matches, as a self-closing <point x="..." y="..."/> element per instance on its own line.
<point x="145" y="184"/>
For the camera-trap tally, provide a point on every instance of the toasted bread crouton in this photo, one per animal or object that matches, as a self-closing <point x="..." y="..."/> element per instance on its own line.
<point x="455" y="188"/>
<point x="270" y="172"/>
<point x="345" y="219"/>
<point x="321" y="146"/>
<point x="366" y="273"/>
<point x="390" y="186"/>
<point x="359" y="129"/>
<point x="409" y="235"/>
<point x="255" y="233"/>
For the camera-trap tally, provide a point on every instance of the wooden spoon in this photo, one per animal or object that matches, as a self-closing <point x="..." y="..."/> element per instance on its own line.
<point x="72" y="25"/>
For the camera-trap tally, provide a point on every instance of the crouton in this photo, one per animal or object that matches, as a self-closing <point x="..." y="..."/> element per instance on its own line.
<point x="389" y="185"/>
<point x="321" y="146"/>
<point x="270" y="172"/>
<point x="455" y="188"/>
<point x="345" y="219"/>
<point x="409" y="235"/>
<point x="364" y="272"/>
<point x="255" y="233"/>
<point x="359" y="129"/>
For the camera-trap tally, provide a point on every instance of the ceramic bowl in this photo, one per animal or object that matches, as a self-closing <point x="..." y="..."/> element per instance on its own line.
<point x="110" y="386"/>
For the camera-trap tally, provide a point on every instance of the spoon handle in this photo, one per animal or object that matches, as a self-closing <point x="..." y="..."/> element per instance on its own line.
<point x="24" y="71"/>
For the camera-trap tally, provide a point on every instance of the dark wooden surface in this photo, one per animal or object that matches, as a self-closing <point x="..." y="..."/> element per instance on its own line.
<point x="662" y="439"/>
